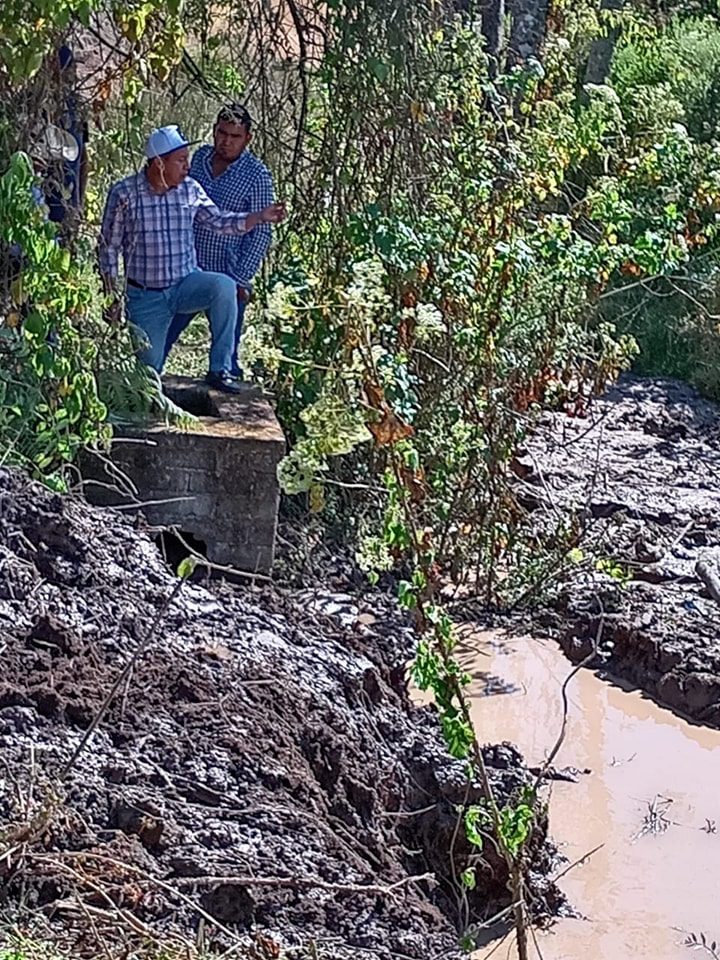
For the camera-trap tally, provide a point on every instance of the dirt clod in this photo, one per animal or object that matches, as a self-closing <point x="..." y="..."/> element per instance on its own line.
<point x="261" y="765"/>
<point x="644" y="466"/>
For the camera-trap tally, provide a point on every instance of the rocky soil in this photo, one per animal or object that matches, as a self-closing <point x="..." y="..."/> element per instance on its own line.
<point x="260" y="777"/>
<point x="641" y="476"/>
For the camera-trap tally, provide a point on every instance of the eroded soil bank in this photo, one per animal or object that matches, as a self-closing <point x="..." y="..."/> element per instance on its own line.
<point x="260" y="766"/>
<point x="641" y="476"/>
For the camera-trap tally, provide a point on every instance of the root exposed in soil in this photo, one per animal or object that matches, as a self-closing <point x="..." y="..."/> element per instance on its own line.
<point x="261" y="767"/>
<point x="642" y="473"/>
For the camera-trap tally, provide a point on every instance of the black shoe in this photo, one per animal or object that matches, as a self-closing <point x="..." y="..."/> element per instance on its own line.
<point x="223" y="381"/>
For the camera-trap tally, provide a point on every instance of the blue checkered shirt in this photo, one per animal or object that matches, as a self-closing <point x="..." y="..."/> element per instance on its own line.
<point x="246" y="185"/>
<point x="154" y="231"/>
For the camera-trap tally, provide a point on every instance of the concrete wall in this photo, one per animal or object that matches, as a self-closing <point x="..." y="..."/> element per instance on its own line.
<point x="216" y="481"/>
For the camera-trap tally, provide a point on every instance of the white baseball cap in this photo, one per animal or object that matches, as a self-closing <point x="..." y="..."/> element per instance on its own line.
<point x="59" y="144"/>
<point x="165" y="140"/>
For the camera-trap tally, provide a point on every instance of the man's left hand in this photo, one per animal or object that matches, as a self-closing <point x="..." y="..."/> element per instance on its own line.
<point x="243" y="294"/>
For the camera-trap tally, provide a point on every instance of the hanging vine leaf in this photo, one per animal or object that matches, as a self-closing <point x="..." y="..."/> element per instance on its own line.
<point x="389" y="429"/>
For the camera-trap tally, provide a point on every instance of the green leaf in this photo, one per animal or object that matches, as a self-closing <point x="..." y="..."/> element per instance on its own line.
<point x="35" y="324"/>
<point x="84" y="12"/>
<point x="186" y="567"/>
<point x="475" y="817"/>
<point x="468" y="878"/>
<point x="467" y="943"/>
<point x="379" y="69"/>
<point x="407" y="595"/>
<point x="425" y="669"/>
<point x="514" y="826"/>
<point x="458" y="735"/>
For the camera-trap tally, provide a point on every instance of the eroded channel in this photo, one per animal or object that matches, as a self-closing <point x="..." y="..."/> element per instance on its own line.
<point x="650" y="799"/>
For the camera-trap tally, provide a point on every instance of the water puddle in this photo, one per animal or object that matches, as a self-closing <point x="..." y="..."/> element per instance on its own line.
<point x="652" y="799"/>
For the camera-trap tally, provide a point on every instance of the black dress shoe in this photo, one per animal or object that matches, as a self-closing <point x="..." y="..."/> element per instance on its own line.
<point x="224" y="382"/>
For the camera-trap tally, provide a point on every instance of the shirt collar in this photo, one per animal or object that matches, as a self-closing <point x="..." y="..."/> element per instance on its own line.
<point x="147" y="186"/>
<point x="235" y="165"/>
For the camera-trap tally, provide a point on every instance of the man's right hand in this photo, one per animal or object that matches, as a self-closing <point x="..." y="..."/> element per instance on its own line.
<point x="275" y="213"/>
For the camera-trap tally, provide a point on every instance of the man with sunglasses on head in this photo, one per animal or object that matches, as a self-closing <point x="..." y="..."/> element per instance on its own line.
<point x="234" y="178"/>
<point x="148" y="220"/>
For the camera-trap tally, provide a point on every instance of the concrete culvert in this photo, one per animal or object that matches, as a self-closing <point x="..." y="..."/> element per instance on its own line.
<point x="176" y="545"/>
<point x="216" y="476"/>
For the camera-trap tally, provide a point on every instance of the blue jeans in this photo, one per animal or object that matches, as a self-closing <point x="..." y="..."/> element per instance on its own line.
<point x="153" y="312"/>
<point x="180" y="322"/>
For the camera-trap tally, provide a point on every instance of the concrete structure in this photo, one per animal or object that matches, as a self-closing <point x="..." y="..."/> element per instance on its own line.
<point x="216" y="481"/>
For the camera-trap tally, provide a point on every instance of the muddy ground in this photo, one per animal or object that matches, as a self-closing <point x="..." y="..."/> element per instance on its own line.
<point x="259" y="765"/>
<point x="641" y="476"/>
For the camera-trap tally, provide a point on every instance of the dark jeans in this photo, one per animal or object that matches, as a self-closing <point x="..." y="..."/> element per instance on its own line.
<point x="180" y="322"/>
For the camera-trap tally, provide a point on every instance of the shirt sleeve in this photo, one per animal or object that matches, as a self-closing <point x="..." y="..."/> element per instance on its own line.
<point x="226" y="222"/>
<point x="247" y="256"/>
<point x="112" y="231"/>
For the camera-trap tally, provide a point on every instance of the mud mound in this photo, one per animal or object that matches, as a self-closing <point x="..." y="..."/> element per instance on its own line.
<point x="259" y="769"/>
<point x="642" y="474"/>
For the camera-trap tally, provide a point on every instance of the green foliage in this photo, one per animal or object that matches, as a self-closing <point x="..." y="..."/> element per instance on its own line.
<point x="27" y="34"/>
<point x="132" y="391"/>
<point x="442" y="324"/>
<point x="49" y="404"/>
<point x="187" y="567"/>
<point x="16" y="947"/>
<point x="439" y="320"/>
<point x="515" y="826"/>
<point x="668" y="76"/>
<point x="617" y="571"/>
<point x="477" y="819"/>
<point x="63" y="372"/>
<point x="677" y="64"/>
<point x="28" y="948"/>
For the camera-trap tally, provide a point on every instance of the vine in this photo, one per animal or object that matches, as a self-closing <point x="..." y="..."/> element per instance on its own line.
<point x="49" y="403"/>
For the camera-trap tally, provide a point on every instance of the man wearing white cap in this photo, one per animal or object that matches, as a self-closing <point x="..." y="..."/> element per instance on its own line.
<point x="149" y="219"/>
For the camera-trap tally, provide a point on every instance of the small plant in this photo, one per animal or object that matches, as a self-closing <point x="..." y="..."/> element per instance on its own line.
<point x="701" y="943"/>
<point x="618" y="571"/>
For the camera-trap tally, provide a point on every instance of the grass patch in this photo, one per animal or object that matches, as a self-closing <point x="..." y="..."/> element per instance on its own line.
<point x="677" y="336"/>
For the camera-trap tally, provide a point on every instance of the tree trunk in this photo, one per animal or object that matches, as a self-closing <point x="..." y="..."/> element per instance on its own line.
<point x="603" y="48"/>
<point x="527" y="30"/>
<point x="493" y="22"/>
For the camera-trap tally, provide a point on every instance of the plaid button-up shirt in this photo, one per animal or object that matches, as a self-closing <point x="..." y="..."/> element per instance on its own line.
<point x="246" y="185"/>
<point x="154" y="231"/>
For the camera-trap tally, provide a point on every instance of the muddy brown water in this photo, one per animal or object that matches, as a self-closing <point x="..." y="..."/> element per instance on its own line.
<point x="646" y="890"/>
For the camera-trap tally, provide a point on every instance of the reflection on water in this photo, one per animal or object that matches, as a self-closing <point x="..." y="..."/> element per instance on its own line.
<point x="652" y="799"/>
